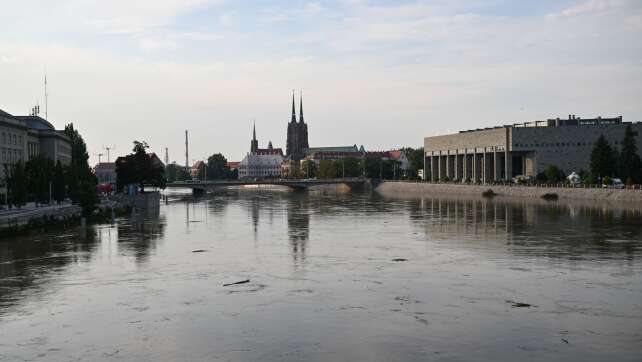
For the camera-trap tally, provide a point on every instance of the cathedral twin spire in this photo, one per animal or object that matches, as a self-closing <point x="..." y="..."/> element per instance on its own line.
<point x="297" y="140"/>
<point x="293" y="120"/>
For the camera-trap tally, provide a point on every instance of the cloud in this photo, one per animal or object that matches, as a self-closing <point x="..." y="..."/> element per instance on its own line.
<point x="383" y="74"/>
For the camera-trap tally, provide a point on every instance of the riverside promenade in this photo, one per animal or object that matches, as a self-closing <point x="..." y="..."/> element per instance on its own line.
<point x="21" y="216"/>
<point x="526" y="191"/>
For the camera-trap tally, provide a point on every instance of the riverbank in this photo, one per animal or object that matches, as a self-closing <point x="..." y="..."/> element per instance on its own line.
<point x="532" y="192"/>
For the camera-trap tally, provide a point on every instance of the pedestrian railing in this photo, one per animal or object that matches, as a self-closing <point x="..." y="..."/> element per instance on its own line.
<point x="636" y="187"/>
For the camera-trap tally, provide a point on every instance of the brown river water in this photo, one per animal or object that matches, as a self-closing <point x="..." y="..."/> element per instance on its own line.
<point x="332" y="277"/>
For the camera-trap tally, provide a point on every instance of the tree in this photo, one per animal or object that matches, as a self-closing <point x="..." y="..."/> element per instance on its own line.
<point x="353" y="167"/>
<point x="16" y="184"/>
<point x="552" y="174"/>
<point x="326" y="170"/>
<point x="140" y="168"/>
<point x="217" y="168"/>
<point x="59" y="183"/>
<point x="176" y="172"/>
<point x="81" y="182"/>
<point x="602" y="159"/>
<point x="415" y="160"/>
<point x="39" y="171"/>
<point x="308" y="169"/>
<point x="630" y="165"/>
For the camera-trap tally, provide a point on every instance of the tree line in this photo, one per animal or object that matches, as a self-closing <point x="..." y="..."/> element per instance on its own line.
<point x="41" y="180"/>
<point x="215" y="168"/>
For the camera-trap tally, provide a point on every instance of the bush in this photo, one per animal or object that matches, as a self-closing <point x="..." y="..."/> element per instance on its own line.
<point x="489" y="193"/>
<point x="607" y="181"/>
<point x="550" y="197"/>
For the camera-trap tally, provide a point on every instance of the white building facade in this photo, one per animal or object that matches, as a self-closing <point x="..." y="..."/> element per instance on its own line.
<point x="261" y="165"/>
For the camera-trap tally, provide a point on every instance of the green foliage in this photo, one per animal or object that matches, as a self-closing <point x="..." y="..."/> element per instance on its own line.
<point x="140" y="168"/>
<point x="552" y="174"/>
<point x="326" y="170"/>
<point x="415" y="161"/>
<point x="353" y="166"/>
<point x="630" y="165"/>
<point x="176" y="172"/>
<point x="217" y="169"/>
<point x="308" y="169"/>
<point x="602" y="158"/>
<point x="607" y="181"/>
<point x="59" y="183"/>
<point x="40" y="171"/>
<point x="81" y="182"/>
<point x="16" y="181"/>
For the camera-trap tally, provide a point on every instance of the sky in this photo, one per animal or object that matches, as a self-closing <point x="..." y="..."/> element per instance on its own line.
<point x="380" y="73"/>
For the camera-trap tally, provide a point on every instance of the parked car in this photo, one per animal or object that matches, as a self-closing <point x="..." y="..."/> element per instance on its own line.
<point x="574" y="178"/>
<point x="617" y="183"/>
<point x="521" y="179"/>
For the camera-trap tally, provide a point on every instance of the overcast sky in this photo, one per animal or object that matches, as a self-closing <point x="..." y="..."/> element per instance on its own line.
<point x="379" y="73"/>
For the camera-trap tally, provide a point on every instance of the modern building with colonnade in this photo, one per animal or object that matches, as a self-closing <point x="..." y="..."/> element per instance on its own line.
<point x="501" y="153"/>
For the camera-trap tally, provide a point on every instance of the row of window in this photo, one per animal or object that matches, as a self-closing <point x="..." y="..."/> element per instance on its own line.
<point x="556" y="144"/>
<point x="11" y="156"/>
<point x="11" y="139"/>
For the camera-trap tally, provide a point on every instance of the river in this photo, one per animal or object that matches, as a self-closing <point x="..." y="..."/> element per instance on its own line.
<point x="332" y="277"/>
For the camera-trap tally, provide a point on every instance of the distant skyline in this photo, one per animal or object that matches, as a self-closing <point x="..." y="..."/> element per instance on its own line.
<point x="379" y="73"/>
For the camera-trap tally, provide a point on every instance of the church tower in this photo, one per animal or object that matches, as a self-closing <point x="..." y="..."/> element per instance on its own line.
<point x="291" y="143"/>
<point x="297" y="138"/>
<point x="303" y="129"/>
<point x="254" y="144"/>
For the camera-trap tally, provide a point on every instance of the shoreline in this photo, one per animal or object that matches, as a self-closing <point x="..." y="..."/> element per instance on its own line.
<point x="409" y="189"/>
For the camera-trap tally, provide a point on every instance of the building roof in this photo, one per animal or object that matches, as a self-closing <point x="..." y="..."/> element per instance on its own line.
<point x="267" y="151"/>
<point x="198" y="164"/>
<point x="312" y="150"/>
<point x="233" y="164"/>
<point x="37" y="122"/>
<point x="105" y="166"/>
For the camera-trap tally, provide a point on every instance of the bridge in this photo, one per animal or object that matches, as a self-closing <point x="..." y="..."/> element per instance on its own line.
<point x="199" y="187"/>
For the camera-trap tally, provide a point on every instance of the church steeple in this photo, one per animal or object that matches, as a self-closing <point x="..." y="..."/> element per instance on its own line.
<point x="293" y="120"/>
<point x="254" y="144"/>
<point x="301" y="109"/>
<point x="254" y="132"/>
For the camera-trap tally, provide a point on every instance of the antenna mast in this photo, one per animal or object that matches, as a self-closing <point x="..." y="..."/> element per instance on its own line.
<point x="186" y="151"/>
<point x="46" y="100"/>
<point x="166" y="156"/>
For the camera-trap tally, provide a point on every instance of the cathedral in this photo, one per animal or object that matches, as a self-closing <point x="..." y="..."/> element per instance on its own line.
<point x="297" y="140"/>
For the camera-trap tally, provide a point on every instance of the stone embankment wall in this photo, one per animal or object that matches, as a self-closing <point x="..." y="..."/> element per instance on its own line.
<point x="419" y="189"/>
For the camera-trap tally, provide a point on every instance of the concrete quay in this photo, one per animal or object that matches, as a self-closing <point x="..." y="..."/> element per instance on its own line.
<point x="534" y="192"/>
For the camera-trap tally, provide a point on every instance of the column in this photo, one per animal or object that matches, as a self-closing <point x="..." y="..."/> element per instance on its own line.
<point x="495" y="166"/>
<point x="474" y="176"/>
<point x="456" y="165"/>
<point x="448" y="170"/>
<point x="465" y="165"/>
<point x="508" y="166"/>
<point x="433" y="168"/>
<point x="483" y="166"/>
<point x="439" y="172"/>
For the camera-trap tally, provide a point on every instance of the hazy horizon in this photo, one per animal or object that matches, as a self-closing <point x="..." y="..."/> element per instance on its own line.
<point x="379" y="73"/>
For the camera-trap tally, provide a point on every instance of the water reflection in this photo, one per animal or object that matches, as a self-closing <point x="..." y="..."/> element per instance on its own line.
<point x="298" y="210"/>
<point x="137" y="236"/>
<point x="554" y="230"/>
<point x="34" y="262"/>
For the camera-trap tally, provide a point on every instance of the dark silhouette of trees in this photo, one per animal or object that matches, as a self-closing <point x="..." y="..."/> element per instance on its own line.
<point x="39" y="170"/>
<point x="16" y="181"/>
<point x="59" y="183"/>
<point x="629" y="164"/>
<point x="81" y="182"/>
<point x="140" y="168"/>
<point x="602" y="159"/>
